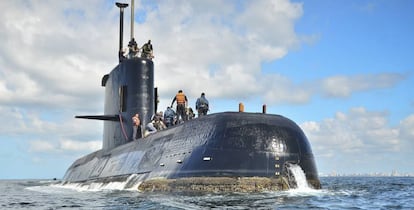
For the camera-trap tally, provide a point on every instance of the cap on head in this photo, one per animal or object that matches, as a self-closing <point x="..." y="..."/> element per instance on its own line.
<point x="180" y="91"/>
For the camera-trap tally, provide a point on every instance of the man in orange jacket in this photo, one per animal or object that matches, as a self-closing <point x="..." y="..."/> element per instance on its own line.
<point x="182" y="101"/>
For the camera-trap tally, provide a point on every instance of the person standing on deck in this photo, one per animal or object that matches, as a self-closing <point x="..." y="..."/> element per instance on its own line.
<point x="136" y="127"/>
<point x="169" y="116"/>
<point x="182" y="101"/>
<point x="202" y="105"/>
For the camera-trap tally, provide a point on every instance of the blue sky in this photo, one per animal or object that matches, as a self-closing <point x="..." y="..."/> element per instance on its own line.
<point x="340" y="69"/>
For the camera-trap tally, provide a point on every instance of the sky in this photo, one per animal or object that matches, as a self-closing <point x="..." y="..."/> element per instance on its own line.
<point x="342" y="70"/>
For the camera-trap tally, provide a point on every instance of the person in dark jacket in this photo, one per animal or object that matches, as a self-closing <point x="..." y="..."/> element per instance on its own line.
<point x="169" y="117"/>
<point x="147" y="50"/>
<point x="202" y="105"/>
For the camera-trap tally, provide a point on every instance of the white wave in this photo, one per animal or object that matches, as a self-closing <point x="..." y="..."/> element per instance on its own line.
<point x="130" y="184"/>
<point x="50" y="189"/>
<point x="300" y="177"/>
<point x="306" y="192"/>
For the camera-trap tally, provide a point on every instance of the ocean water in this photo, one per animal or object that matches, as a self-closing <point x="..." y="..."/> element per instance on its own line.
<point x="337" y="193"/>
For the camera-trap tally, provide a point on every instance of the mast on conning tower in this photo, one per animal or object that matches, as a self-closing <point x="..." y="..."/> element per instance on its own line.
<point x="132" y="19"/>
<point x="121" y="7"/>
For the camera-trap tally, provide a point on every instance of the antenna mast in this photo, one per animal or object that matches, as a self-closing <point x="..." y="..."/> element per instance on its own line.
<point x="121" y="27"/>
<point x="132" y="19"/>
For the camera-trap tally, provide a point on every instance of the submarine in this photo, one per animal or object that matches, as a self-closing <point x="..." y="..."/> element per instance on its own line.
<point x="232" y="151"/>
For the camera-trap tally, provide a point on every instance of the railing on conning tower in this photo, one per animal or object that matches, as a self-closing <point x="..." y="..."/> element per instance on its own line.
<point x="133" y="49"/>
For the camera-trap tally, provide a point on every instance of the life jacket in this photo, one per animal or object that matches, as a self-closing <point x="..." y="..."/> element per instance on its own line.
<point x="180" y="97"/>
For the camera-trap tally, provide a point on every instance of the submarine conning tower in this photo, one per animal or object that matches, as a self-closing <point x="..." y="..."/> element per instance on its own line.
<point x="129" y="89"/>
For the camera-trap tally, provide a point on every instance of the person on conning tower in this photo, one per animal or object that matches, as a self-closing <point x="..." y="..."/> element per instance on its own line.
<point x="147" y="50"/>
<point x="132" y="49"/>
<point x="182" y="101"/>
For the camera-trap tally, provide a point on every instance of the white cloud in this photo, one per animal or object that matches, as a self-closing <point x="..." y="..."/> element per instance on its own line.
<point x="281" y="90"/>
<point x="56" y="55"/>
<point x="51" y="124"/>
<point x="51" y="54"/>
<point x="80" y="145"/>
<point x="359" y="136"/>
<point x="64" y="146"/>
<point x="235" y="40"/>
<point x="407" y="132"/>
<point x="356" y="131"/>
<point x="41" y="146"/>
<point x="344" y="86"/>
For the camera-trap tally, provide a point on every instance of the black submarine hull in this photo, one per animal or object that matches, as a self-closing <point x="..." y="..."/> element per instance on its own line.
<point x="215" y="151"/>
